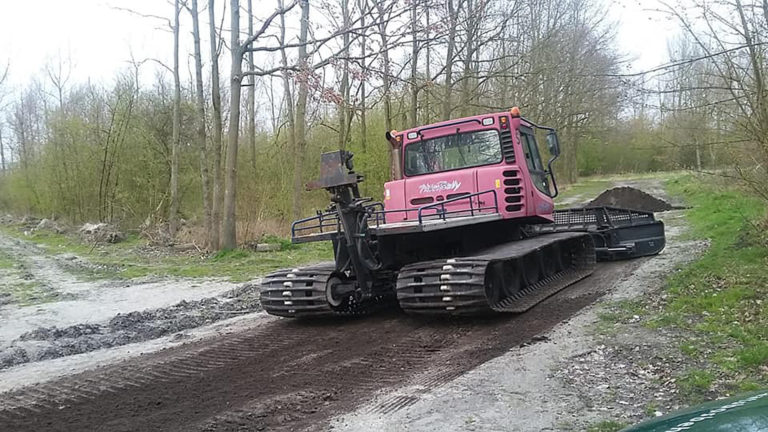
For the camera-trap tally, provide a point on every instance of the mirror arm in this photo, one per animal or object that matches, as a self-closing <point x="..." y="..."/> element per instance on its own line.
<point x="552" y="174"/>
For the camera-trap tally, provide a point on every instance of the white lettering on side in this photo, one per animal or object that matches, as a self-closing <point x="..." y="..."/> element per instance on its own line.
<point x="440" y="186"/>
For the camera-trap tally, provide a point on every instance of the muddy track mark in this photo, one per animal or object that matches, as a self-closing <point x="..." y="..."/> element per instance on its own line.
<point x="287" y="374"/>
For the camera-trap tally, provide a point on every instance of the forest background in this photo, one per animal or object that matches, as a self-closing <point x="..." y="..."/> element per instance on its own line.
<point x="222" y="142"/>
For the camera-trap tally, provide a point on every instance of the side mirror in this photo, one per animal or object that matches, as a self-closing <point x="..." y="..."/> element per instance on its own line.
<point x="553" y="144"/>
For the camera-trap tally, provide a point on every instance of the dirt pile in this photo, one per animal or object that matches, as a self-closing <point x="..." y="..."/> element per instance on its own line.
<point x="630" y="198"/>
<point x="100" y="233"/>
<point x="49" y="225"/>
<point x="53" y="342"/>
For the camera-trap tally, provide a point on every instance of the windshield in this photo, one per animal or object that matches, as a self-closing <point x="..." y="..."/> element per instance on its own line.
<point x="453" y="152"/>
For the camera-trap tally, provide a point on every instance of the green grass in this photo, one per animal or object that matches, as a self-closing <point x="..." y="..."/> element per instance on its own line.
<point x="620" y="312"/>
<point x="695" y="384"/>
<point x="651" y="408"/>
<point x="722" y="298"/>
<point x="606" y="426"/>
<point x="236" y="265"/>
<point x="29" y="293"/>
<point x="6" y="261"/>
<point x="60" y="243"/>
<point x="583" y="191"/>
<point x="127" y="259"/>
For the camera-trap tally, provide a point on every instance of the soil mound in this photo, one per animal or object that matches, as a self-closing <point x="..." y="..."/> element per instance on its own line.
<point x="630" y="198"/>
<point x="52" y="342"/>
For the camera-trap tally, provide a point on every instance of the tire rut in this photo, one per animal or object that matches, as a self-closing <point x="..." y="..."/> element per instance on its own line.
<point x="287" y="374"/>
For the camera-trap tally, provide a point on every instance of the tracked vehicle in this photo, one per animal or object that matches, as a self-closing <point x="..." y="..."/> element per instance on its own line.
<point x="467" y="226"/>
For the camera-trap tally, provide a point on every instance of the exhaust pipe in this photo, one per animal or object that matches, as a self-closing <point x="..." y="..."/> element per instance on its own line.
<point x="396" y="170"/>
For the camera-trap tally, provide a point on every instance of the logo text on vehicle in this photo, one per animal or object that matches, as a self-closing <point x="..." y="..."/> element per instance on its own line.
<point x="440" y="186"/>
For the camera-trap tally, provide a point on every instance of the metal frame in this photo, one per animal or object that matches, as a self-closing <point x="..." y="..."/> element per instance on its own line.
<point x="327" y="223"/>
<point x="439" y="206"/>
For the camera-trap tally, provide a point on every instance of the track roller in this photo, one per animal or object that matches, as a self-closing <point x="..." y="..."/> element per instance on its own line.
<point x="506" y="278"/>
<point x="316" y="291"/>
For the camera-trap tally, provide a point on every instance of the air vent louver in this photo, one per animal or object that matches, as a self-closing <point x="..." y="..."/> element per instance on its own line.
<point x="506" y="146"/>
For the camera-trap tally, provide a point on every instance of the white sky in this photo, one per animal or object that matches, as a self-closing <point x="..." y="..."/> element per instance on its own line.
<point x="96" y="37"/>
<point x="642" y="33"/>
<point x="100" y="39"/>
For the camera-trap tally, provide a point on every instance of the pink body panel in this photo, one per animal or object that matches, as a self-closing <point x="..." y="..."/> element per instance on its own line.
<point x="516" y="196"/>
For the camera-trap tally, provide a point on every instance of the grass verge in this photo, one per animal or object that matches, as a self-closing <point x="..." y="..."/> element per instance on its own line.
<point x="29" y="294"/>
<point x="606" y="426"/>
<point x="722" y="298"/>
<point x="133" y="258"/>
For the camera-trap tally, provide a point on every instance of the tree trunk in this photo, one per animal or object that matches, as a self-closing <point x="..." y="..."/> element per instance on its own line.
<point x="386" y="72"/>
<point x="217" y="131"/>
<point x="301" y="110"/>
<point x="251" y="98"/>
<point x="466" y="81"/>
<point x="698" y="154"/>
<point x="290" y="115"/>
<point x="173" y="214"/>
<point x="229" y="229"/>
<point x="449" y="60"/>
<point x="2" y="152"/>
<point x="414" y="108"/>
<point x="428" y="72"/>
<point x="344" y="112"/>
<point x="363" y="123"/>
<point x="201" y="138"/>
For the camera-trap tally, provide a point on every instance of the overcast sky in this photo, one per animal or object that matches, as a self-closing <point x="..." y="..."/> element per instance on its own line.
<point x="99" y="39"/>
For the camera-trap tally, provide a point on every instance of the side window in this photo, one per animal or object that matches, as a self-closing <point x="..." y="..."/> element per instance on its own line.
<point x="533" y="160"/>
<point x="531" y="150"/>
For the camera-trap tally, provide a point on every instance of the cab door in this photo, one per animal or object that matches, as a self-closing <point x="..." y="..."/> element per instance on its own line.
<point x="533" y="161"/>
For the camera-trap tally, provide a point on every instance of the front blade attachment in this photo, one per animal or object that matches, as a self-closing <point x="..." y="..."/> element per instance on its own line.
<point x="618" y="233"/>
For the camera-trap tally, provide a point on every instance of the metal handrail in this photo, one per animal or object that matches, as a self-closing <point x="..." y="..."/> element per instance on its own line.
<point x="439" y="207"/>
<point x="328" y="221"/>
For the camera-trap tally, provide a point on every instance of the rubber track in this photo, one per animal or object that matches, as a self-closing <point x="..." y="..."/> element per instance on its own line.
<point x="300" y="293"/>
<point x="457" y="286"/>
<point x="297" y="292"/>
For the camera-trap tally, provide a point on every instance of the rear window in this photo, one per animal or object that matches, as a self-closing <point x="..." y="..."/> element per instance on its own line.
<point x="453" y="152"/>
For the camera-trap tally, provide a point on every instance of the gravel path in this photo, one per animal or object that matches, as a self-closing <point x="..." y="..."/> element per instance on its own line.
<point x="571" y="378"/>
<point x="78" y="315"/>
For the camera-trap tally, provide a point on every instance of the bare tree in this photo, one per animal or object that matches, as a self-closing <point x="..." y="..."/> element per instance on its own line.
<point x="288" y="93"/>
<point x="59" y="75"/>
<point x="228" y="229"/>
<point x="238" y="50"/>
<point x="301" y="109"/>
<point x="363" y="6"/>
<point x="251" y="97"/>
<point x="344" y="106"/>
<point x="733" y="39"/>
<point x="2" y="150"/>
<point x="450" y="50"/>
<point x="173" y="213"/>
<point x="216" y="148"/>
<point x="200" y="126"/>
<point x="413" y="119"/>
<point x="3" y="77"/>
<point x="383" y="9"/>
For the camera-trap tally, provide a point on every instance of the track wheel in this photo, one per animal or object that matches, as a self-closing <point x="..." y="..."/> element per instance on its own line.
<point x="339" y="292"/>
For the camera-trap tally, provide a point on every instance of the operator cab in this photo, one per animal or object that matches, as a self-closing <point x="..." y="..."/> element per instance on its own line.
<point x="469" y="166"/>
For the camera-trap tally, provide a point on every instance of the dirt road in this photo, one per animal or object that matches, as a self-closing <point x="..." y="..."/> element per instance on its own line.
<point x="264" y="373"/>
<point x="286" y="375"/>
